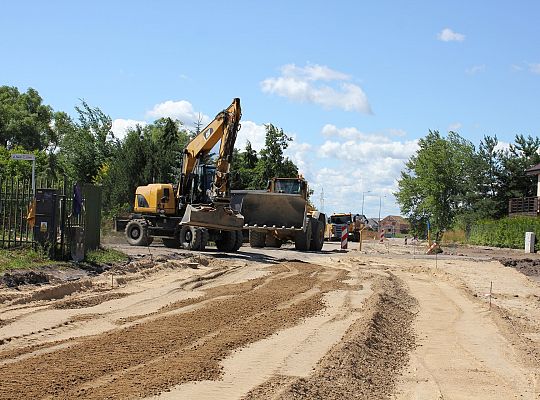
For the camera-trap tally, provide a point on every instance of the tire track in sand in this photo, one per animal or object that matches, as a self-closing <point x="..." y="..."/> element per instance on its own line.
<point x="94" y="368"/>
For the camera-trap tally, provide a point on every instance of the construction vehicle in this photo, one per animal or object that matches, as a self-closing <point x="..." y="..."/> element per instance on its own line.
<point x="200" y="211"/>
<point x="337" y="221"/>
<point x="281" y="213"/>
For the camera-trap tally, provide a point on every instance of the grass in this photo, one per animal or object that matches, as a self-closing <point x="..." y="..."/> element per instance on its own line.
<point x="23" y="258"/>
<point x="105" y="256"/>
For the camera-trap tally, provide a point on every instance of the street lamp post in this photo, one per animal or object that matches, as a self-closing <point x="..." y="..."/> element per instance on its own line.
<point x="363" y="193"/>
<point x="380" y="206"/>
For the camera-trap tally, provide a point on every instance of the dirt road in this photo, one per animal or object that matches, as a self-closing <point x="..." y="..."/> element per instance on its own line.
<point x="387" y="322"/>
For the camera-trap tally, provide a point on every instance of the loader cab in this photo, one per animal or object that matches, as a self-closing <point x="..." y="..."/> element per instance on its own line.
<point x="289" y="186"/>
<point x="340" y="219"/>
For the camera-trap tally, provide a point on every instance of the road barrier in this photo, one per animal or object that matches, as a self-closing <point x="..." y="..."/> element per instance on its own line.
<point x="344" y="236"/>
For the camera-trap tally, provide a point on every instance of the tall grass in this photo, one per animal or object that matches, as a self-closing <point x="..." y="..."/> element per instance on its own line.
<point x="506" y="232"/>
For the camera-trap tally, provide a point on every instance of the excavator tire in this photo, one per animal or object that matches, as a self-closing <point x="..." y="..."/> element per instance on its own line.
<point x="302" y="240"/>
<point x="190" y="237"/>
<point x="239" y="240"/>
<point x="137" y="233"/>
<point x="257" y="238"/>
<point x="173" y="243"/>
<point x="272" y="241"/>
<point x="226" y="241"/>
<point x="317" y="235"/>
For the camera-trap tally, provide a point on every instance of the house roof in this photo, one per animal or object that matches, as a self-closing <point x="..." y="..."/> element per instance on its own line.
<point x="397" y="218"/>
<point x="533" y="170"/>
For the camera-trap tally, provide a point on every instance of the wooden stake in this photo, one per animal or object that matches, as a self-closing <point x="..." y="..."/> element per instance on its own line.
<point x="112" y="281"/>
<point x="490" y="292"/>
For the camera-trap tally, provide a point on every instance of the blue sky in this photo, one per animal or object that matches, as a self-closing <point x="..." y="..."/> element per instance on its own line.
<point x="356" y="83"/>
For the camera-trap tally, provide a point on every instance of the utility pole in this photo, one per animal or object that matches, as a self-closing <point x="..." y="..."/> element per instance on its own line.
<point x="369" y="191"/>
<point x="380" y="206"/>
<point x="322" y="199"/>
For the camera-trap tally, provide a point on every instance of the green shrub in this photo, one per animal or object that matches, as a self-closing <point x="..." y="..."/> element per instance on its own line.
<point x="505" y="232"/>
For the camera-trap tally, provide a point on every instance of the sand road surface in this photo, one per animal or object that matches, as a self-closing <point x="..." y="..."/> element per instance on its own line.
<point x="386" y="322"/>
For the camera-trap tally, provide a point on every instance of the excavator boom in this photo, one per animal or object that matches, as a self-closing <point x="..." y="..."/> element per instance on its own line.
<point x="217" y="215"/>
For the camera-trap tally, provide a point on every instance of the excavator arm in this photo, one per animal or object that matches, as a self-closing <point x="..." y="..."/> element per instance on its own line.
<point x="224" y="127"/>
<point x="219" y="214"/>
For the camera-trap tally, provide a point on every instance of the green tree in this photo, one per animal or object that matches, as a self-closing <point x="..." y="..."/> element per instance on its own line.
<point x="438" y="181"/>
<point x="513" y="181"/>
<point x="87" y="144"/>
<point x="272" y="162"/>
<point x="24" y="120"/>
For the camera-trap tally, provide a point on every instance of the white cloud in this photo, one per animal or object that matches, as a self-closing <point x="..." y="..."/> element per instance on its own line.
<point x="516" y="67"/>
<point x="456" y="126"/>
<point x="256" y="134"/>
<point x="353" y="163"/>
<point x="397" y="132"/>
<point x="448" y="35"/>
<point x="475" y="69"/>
<point x="120" y="126"/>
<point x="301" y="84"/>
<point x="182" y="110"/>
<point x="330" y="130"/>
<point x="358" y="151"/>
<point x="534" y="68"/>
<point x="502" y="146"/>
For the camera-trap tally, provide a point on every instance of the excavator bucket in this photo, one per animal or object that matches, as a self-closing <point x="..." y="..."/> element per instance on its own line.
<point x="270" y="210"/>
<point x="213" y="217"/>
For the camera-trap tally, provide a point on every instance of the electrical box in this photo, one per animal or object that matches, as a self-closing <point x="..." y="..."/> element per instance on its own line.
<point x="45" y="229"/>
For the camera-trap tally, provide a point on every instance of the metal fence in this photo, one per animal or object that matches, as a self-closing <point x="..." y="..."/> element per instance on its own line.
<point x="16" y="196"/>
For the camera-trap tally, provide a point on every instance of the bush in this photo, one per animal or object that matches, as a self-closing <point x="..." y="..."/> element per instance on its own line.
<point x="506" y="232"/>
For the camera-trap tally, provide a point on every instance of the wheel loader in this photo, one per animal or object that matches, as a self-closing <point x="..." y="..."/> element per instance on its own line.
<point x="281" y="213"/>
<point x="199" y="210"/>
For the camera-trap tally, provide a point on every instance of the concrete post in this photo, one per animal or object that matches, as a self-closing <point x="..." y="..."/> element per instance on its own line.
<point x="529" y="242"/>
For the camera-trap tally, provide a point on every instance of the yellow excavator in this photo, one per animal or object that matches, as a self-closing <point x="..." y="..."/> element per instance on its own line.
<point x="200" y="209"/>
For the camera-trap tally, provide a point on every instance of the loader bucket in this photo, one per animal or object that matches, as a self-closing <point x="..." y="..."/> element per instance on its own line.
<point x="213" y="217"/>
<point x="272" y="210"/>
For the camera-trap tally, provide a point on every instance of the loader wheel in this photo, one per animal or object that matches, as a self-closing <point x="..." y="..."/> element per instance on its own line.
<point x="204" y="238"/>
<point x="302" y="239"/>
<point x="239" y="240"/>
<point x="190" y="237"/>
<point x="257" y="238"/>
<point x="226" y="241"/>
<point x="137" y="233"/>
<point x="173" y="243"/>
<point x="317" y="235"/>
<point x="272" y="241"/>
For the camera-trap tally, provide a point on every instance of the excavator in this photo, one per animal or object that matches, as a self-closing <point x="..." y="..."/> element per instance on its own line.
<point x="200" y="210"/>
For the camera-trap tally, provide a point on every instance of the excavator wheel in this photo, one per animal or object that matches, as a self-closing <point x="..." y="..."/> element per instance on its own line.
<point x="257" y="238"/>
<point x="272" y="241"/>
<point x="226" y="241"/>
<point x="190" y="237"/>
<point x="302" y="239"/>
<point x="239" y="240"/>
<point x="137" y="233"/>
<point x="317" y="235"/>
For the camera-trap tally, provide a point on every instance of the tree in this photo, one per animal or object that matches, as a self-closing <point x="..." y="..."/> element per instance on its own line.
<point x="24" y="120"/>
<point x="88" y="144"/>
<point x="272" y="162"/>
<point x="513" y="181"/>
<point x="438" y="181"/>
